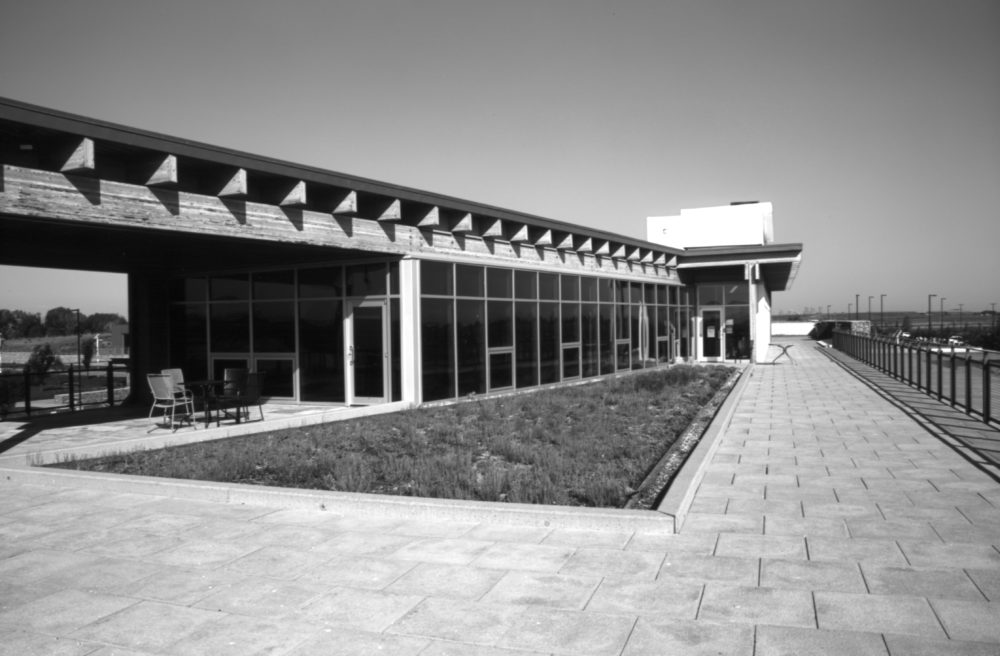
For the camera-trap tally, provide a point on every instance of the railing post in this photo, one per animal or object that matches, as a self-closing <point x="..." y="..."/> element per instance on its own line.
<point x="940" y="375"/>
<point x="986" y="387"/>
<point x="951" y="375"/>
<point x="72" y="395"/>
<point x="920" y="370"/>
<point x="110" y="380"/>
<point x="27" y="392"/>
<point x="968" y="382"/>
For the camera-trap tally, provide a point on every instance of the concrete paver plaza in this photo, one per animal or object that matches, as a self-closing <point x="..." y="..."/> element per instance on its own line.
<point x="825" y="521"/>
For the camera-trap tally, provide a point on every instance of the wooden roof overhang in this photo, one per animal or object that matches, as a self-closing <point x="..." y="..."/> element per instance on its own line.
<point x="778" y="263"/>
<point x="94" y="156"/>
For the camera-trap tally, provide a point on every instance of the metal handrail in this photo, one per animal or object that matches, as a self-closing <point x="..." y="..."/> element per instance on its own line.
<point x="907" y="362"/>
<point x="24" y="393"/>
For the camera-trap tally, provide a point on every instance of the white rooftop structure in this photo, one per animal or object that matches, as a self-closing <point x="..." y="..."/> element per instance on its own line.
<point x="738" y="224"/>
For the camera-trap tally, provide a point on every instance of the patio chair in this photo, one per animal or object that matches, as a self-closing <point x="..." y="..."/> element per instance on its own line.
<point x="240" y="390"/>
<point x="177" y="377"/>
<point x="165" y="398"/>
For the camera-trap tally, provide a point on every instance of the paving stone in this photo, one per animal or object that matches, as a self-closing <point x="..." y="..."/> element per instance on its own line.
<point x="893" y="529"/>
<point x="361" y="572"/>
<point x="665" y="597"/>
<point x="541" y="589"/>
<point x="970" y="620"/>
<point x="876" y="614"/>
<point x="448" y="619"/>
<point x="363" y="544"/>
<point x="988" y="581"/>
<point x="63" y="612"/>
<point x="180" y="586"/>
<point x="580" y="538"/>
<point x="704" y="523"/>
<point x="440" y="648"/>
<point x="614" y="563"/>
<point x="451" y="551"/>
<point x="346" y="642"/>
<point x="508" y="533"/>
<point x="277" y="562"/>
<point x="790" y="641"/>
<point x="236" y="635"/>
<point x="657" y="637"/>
<point x="162" y="625"/>
<point x="23" y="643"/>
<point x="754" y="605"/>
<point x="202" y="553"/>
<point x="703" y="543"/>
<point x="262" y="597"/>
<point x="805" y="526"/>
<point x="866" y="550"/>
<point x="931" y="554"/>
<point x="711" y="568"/>
<point x="569" y="632"/>
<point x="761" y="546"/>
<point x="363" y="610"/>
<point x="921" y="582"/>
<point x="905" y="645"/>
<point x="833" y="576"/>
<point x="450" y="581"/>
<point x="532" y="557"/>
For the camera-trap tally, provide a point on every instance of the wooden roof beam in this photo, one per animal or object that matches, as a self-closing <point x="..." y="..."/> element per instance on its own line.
<point x="236" y="186"/>
<point x="346" y="204"/>
<point x="80" y="159"/>
<point x="164" y="172"/>
<point x="295" y="197"/>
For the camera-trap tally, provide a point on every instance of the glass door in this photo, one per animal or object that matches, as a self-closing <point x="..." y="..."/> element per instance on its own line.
<point x="366" y="352"/>
<point x="711" y="335"/>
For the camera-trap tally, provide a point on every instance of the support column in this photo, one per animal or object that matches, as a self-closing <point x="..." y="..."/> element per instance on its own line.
<point x="409" y="328"/>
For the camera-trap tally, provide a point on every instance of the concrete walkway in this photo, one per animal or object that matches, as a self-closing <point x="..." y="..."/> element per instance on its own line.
<point x="825" y="521"/>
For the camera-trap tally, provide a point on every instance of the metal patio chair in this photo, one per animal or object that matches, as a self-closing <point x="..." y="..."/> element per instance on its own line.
<point x="165" y="398"/>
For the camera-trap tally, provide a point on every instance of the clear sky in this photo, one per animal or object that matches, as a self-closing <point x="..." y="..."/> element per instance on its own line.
<point x="873" y="126"/>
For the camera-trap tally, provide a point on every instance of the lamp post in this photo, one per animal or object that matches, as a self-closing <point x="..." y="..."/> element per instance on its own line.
<point x="929" y="297"/>
<point x="943" y="299"/>
<point x="857" y="305"/>
<point x="77" y="310"/>
<point x="870" y="308"/>
<point x="961" y="307"/>
<point x="881" y="310"/>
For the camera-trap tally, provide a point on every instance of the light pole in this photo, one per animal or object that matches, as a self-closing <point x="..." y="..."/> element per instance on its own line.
<point x="929" y="297"/>
<point x="857" y="305"/>
<point x="881" y="310"/>
<point x="77" y="310"/>
<point x="870" y="308"/>
<point x="961" y="307"/>
<point x="943" y="299"/>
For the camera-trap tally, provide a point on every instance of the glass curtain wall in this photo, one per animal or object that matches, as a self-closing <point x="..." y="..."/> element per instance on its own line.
<point x="492" y="328"/>
<point x="284" y="323"/>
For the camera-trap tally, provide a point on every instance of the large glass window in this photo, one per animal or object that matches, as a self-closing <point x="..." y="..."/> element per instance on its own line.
<point x="526" y="333"/>
<point x="468" y="280"/>
<point x="366" y="279"/>
<point x="273" y="285"/>
<point x="325" y="282"/>
<point x="234" y="287"/>
<point x="230" y="327"/>
<point x="501" y="315"/>
<point x="437" y="353"/>
<point x="436" y="278"/>
<point x="470" y="332"/>
<point x="590" y="344"/>
<point x="321" y="351"/>
<point x="548" y="286"/>
<point x="499" y="283"/>
<point x="548" y="341"/>
<point x="274" y="327"/>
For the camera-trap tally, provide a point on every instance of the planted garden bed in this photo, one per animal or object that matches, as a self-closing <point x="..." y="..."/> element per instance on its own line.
<point x="586" y="445"/>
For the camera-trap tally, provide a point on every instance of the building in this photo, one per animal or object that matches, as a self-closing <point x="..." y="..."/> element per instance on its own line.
<point x="352" y="291"/>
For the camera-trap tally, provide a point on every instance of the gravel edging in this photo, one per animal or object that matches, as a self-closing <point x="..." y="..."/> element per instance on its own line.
<point x="655" y="486"/>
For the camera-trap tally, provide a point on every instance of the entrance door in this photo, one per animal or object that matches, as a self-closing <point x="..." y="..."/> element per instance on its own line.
<point x="711" y="334"/>
<point x="367" y="357"/>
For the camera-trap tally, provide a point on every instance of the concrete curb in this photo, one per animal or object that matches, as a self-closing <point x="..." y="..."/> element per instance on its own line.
<point x="346" y="503"/>
<point x="677" y="501"/>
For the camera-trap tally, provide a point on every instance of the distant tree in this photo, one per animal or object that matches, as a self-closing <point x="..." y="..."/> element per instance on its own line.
<point x="906" y="323"/>
<point x="42" y="359"/>
<point x="61" y="321"/>
<point x="101" y="322"/>
<point x="87" y="348"/>
<point x="15" y="324"/>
